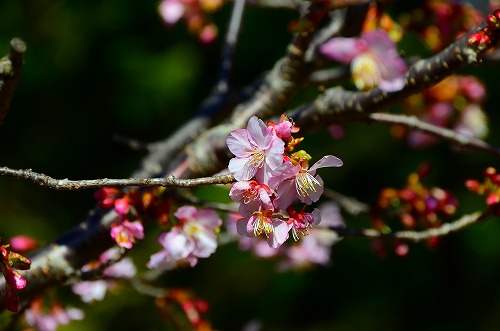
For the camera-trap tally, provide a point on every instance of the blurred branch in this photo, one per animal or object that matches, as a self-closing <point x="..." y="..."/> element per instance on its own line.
<point x="74" y="185"/>
<point x="220" y="99"/>
<point x="10" y="70"/>
<point x="417" y="236"/>
<point x="350" y="204"/>
<point x="412" y="122"/>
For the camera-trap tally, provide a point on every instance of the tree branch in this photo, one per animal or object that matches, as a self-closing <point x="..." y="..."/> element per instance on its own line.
<point x="10" y="71"/>
<point x="412" y="122"/>
<point x="417" y="236"/>
<point x="336" y="103"/>
<point x="74" y="185"/>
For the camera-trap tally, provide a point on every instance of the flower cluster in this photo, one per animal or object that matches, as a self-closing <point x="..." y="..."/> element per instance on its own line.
<point x="313" y="249"/>
<point x="194" y="13"/>
<point x="51" y="320"/>
<point x="490" y="187"/>
<point x="373" y="57"/>
<point x="485" y="36"/>
<point x="454" y="103"/>
<point x="270" y="179"/>
<point x="132" y="207"/>
<point x="416" y="205"/>
<point x="193" y="236"/>
<point x="13" y="279"/>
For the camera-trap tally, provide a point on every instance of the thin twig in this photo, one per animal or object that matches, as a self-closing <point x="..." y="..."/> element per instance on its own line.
<point x="412" y="122"/>
<point x="417" y="236"/>
<point x="74" y="185"/>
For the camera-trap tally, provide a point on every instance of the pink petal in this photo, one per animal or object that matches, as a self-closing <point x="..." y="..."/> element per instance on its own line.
<point x="208" y="218"/>
<point x="343" y="49"/>
<point x="242" y="227"/>
<point x="205" y="244"/>
<point x="258" y="133"/>
<point x="177" y="244"/>
<point x="286" y="194"/>
<point x="238" y="142"/>
<point x="280" y="234"/>
<point x="327" y="161"/>
<point x="237" y="166"/>
<point x="185" y="212"/>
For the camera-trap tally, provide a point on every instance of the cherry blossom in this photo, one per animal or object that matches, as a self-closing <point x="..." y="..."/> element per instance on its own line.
<point x="267" y="223"/>
<point x="191" y="238"/>
<point x="373" y="58"/>
<point x="125" y="233"/>
<point x="297" y="181"/>
<point x="258" y="151"/>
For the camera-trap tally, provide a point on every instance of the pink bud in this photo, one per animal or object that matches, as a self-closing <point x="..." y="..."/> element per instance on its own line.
<point x="14" y="279"/>
<point x="22" y="243"/>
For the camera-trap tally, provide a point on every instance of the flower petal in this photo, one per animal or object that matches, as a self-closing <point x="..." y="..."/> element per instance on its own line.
<point x="327" y="161"/>
<point x="343" y="49"/>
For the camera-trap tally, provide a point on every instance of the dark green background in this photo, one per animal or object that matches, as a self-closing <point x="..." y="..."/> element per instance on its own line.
<point x="95" y="69"/>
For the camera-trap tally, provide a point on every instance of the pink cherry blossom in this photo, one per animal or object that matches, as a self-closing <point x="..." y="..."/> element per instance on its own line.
<point x="315" y="248"/>
<point x="125" y="233"/>
<point x="373" y="57"/>
<point x="191" y="238"/>
<point x="295" y="181"/>
<point x="267" y="223"/>
<point x="257" y="149"/>
<point x="302" y="222"/>
<point x="258" y="245"/>
<point x="91" y="290"/>
<point x="252" y="195"/>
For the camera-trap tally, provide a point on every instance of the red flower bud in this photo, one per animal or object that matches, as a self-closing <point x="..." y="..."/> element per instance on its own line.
<point x="11" y="300"/>
<point x="23" y="244"/>
<point x="472" y="185"/>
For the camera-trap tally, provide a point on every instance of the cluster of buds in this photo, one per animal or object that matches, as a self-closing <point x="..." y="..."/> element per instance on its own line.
<point x="271" y="178"/>
<point x="415" y="204"/>
<point x="195" y="15"/>
<point x="490" y="187"/>
<point x="454" y="103"/>
<point x="193" y="308"/>
<point x="441" y="22"/>
<point x="13" y="280"/>
<point x="484" y="37"/>
<point x="132" y="207"/>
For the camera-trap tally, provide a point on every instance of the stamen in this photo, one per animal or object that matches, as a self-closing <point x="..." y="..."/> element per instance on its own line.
<point x="256" y="160"/>
<point x="261" y="224"/>
<point x="306" y="183"/>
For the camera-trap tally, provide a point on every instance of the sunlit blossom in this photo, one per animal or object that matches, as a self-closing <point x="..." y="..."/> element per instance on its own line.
<point x="258" y="151"/>
<point x="373" y="58"/>
<point x="265" y="223"/>
<point x="299" y="182"/>
<point x="191" y="238"/>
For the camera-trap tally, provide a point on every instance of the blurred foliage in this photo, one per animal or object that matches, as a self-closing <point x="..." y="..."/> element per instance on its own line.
<point x="95" y="69"/>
